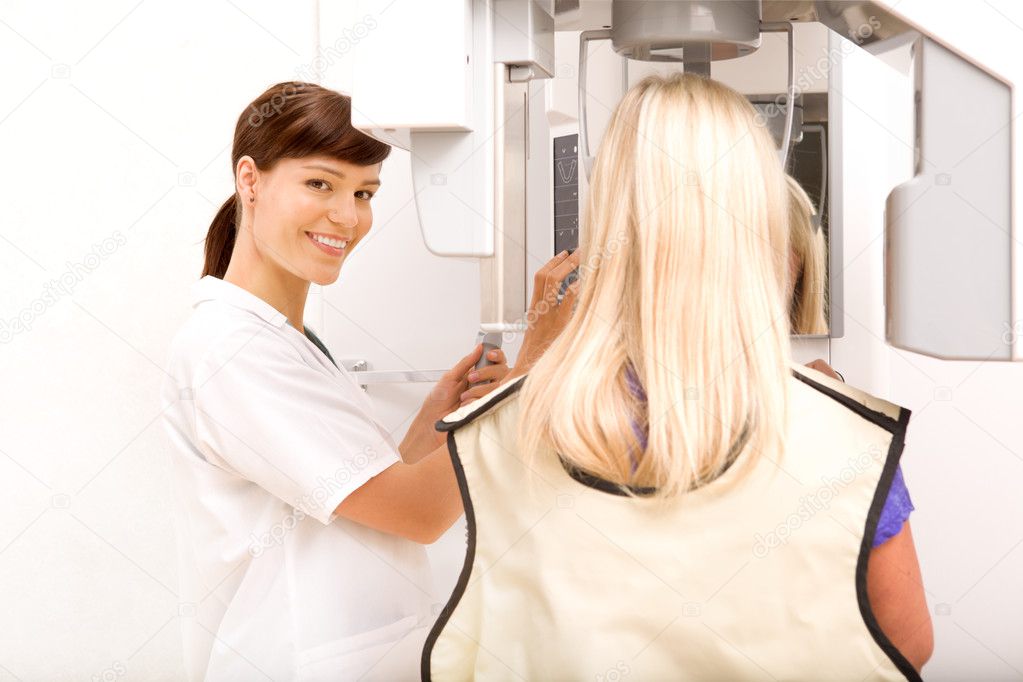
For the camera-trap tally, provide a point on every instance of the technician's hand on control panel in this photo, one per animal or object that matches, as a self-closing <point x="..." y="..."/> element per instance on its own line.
<point x="547" y="316"/>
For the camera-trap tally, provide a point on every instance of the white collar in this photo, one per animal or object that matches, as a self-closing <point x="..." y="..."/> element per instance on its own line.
<point x="213" y="288"/>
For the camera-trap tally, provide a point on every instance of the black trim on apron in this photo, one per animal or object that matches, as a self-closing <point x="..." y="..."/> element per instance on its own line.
<point x="470" y="558"/>
<point x="898" y="430"/>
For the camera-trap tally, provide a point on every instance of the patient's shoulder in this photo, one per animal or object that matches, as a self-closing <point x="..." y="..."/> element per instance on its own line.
<point x="872" y="408"/>
<point x="477" y="408"/>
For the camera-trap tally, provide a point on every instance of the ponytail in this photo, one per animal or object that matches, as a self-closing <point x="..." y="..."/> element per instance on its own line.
<point x="220" y="239"/>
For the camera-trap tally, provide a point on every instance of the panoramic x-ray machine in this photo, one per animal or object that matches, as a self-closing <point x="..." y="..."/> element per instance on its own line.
<point x="464" y="87"/>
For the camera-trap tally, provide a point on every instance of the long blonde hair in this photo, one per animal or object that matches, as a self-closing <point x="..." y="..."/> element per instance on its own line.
<point x="683" y="277"/>
<point x="806" y="290"/>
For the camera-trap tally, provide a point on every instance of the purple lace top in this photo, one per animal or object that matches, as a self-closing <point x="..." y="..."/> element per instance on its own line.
<point x="893" y="515"/>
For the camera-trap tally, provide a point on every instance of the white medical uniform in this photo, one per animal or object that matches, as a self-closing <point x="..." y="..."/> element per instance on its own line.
<point x="269" y="437"/>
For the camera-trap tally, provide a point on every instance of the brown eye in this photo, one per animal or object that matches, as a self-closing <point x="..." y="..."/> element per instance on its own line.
<point x="310" y="183"/>
<point x="369" y="195"/>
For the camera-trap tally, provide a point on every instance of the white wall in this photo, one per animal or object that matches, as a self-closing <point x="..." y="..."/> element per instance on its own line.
<point x="116" y="127"/>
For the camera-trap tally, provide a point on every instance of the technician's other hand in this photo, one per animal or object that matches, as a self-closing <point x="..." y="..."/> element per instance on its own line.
<point x="482" y="381"/>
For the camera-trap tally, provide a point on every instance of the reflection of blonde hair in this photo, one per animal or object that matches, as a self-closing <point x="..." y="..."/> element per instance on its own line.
<point x="683" y="272"/>
<point x="807" y="290"/>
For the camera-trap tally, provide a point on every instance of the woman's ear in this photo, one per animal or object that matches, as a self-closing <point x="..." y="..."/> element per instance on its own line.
<point x="245" y="174"/>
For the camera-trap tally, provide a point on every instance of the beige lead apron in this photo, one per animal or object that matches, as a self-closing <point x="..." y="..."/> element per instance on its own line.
<point x="566" y="580"/>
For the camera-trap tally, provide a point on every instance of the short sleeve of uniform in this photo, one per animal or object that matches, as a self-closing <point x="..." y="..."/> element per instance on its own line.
<point x="262" y="412"/>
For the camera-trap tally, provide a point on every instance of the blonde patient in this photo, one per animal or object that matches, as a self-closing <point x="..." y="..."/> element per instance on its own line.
<point x="630" y="500"/>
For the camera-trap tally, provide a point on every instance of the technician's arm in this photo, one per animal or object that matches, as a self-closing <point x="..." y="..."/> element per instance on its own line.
<point x="415" y="501"/>
<point x="419" y="500"/>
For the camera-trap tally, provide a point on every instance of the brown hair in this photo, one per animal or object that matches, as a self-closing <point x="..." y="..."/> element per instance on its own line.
<point x="290" y="120"/>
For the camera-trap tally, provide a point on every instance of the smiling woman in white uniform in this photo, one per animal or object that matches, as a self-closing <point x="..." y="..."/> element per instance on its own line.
<point x="269" y="431"/>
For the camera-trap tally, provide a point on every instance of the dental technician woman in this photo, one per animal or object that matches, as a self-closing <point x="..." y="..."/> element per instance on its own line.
<point x="300" y="522"/>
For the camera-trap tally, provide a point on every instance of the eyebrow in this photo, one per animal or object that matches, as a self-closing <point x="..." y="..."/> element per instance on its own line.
<point x="334" y="171"/>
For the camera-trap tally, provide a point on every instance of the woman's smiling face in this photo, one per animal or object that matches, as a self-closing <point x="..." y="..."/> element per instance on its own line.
<point x="314" y="195"/>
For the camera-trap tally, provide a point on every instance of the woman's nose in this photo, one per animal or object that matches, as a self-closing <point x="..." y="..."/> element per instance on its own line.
<point x="344" y="214"/>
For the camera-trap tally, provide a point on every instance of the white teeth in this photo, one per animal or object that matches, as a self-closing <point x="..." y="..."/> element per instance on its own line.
<point x="336" y="243"/>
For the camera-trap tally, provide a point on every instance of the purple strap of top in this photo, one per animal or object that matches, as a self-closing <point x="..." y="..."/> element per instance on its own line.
<point x="640" y="395"/>
<point x="893" y="515"/>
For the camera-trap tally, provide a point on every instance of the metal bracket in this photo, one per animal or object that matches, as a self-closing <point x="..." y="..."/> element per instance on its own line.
<point x="360" y="371"/>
